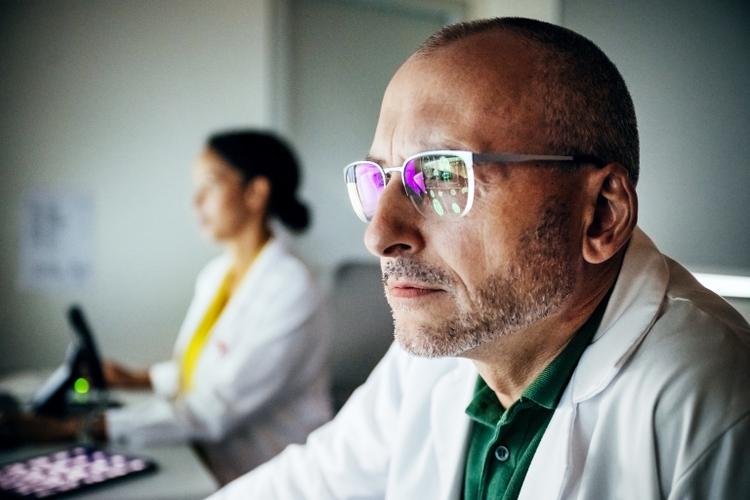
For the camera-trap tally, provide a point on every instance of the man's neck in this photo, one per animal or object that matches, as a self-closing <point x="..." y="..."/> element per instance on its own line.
<point x="243" y="249"/>
<point x="509" y="364"/>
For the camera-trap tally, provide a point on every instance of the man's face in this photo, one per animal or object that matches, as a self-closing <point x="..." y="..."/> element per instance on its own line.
<point x="511" y="262"/>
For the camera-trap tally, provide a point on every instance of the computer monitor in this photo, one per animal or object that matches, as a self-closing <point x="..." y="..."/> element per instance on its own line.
<point x="78" y="384"/>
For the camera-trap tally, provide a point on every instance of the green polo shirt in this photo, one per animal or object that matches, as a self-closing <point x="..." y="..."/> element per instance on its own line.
<point x="503" y="442"/>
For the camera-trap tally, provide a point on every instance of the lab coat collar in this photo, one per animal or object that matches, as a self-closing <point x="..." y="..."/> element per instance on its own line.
<point x="257" y="272"/>
<point x="451" y="395"/>
<point x="632" y="310"/>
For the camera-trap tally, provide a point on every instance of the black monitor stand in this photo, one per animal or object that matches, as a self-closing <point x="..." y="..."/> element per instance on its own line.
<point x="78" y="384"/>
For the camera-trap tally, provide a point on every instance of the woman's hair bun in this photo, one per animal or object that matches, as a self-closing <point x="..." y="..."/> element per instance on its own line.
<point x="255" y="153"/>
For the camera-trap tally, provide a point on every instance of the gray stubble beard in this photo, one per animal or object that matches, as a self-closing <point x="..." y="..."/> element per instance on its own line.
<point x="529" y="290"/>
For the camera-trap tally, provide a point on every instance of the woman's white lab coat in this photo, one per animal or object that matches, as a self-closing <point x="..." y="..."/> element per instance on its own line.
<point x="657" y="408"/>
<point x="260" y="382"/>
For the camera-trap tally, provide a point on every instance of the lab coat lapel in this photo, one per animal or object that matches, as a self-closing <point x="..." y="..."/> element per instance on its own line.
<point x="207" y="284"/>
<point x="450" y="425"/>
<point x="549" y="467"/>
<point x="631" y="311"/>
<point x="243" y="295"/>
<point x="239" y="307"/>
<point x="245" y="303"/>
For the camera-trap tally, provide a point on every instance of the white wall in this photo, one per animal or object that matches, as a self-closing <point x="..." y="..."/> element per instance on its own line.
<point x="544" y="10"/>
<point x="115" y="98"/>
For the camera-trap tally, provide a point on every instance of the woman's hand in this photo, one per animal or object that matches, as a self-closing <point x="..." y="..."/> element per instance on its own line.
<point x="117" y="376"/>
<point x="40" y="429"/>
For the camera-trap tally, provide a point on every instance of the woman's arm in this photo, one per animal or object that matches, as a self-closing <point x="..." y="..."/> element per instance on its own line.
<point x="120" y="377"/>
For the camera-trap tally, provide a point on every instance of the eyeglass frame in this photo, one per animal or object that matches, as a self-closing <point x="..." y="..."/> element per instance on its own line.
<point x="469" y="158"/>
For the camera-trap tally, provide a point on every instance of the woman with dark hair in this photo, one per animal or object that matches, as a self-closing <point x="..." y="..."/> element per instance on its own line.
<point x="247" y="376"/>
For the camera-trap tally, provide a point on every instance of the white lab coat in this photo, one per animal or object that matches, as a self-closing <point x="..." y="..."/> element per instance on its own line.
<point x="658" y="407"/>
<point x="260" y="382"/>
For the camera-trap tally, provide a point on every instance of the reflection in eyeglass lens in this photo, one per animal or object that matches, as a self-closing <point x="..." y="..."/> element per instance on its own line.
<point x="370" y="185"/>
<point x="445" y="181"/>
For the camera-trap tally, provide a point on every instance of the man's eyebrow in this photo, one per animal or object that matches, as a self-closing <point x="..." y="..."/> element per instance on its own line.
<point x="371" y="158"/>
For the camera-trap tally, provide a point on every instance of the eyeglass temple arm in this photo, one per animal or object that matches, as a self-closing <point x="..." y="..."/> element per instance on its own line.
<point x="513" y="158"/>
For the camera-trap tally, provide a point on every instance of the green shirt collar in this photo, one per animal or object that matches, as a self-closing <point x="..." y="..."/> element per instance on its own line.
<point x="503" y="442"/>
<point x="548" y="387"/>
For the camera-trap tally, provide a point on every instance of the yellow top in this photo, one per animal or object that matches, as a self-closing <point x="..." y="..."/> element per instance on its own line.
<point x="198" y="342"/>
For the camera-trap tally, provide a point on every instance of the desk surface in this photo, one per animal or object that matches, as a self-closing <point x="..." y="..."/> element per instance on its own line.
<point x="180" y="476"/>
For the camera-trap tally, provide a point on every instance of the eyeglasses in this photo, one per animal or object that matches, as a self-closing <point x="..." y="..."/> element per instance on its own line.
<point x="438" y="183"/>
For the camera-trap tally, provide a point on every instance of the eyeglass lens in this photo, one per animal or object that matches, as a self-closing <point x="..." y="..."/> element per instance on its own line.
<point x="370" y="183"/>
<point x="436" y="184"/>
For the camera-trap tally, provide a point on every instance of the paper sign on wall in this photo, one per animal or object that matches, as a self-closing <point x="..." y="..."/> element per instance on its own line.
<point x="56" y="239"/>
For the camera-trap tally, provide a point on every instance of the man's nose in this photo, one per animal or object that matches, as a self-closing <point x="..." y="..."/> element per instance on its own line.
<point x="395" y="227"/>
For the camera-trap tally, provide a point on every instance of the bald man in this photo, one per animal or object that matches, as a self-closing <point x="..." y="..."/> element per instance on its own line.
<point x="545" y="348"/>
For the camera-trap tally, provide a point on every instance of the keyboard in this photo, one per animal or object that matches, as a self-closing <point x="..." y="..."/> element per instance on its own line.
<point x="67" y="471"/>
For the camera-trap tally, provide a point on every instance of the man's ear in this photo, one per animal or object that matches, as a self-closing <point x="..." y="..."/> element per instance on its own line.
<point x="612" y="212"/>
<point x="258" y="194"/>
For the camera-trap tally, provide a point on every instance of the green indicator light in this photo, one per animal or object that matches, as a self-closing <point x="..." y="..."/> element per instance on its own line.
<point x="464" y="190"/>
<point x="81" y="386"/>
<point x="453" y="192"/>
<point x="456" y="208"/>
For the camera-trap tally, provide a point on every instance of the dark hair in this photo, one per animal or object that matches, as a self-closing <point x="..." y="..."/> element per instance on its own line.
<point x="586" y="104"/>
<point x="254" y="154"/>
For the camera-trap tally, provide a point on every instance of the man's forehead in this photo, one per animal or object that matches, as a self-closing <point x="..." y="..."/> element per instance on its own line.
<point x="488" y="53"/>
<point x="413" y="141"/>
<point x="454" y="98"/>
